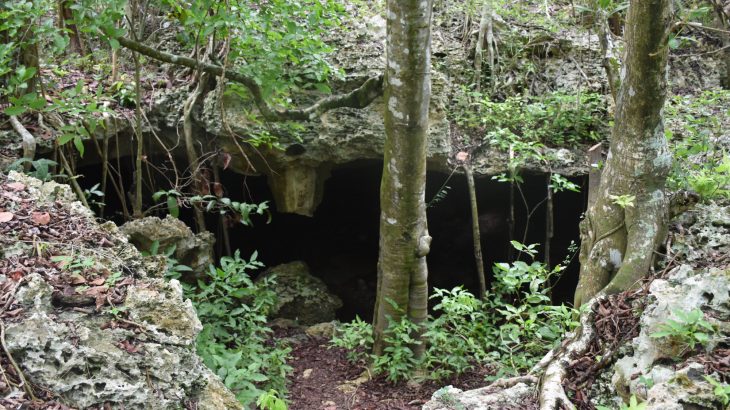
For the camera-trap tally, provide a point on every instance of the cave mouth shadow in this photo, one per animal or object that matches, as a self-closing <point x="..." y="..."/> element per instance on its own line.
<point x="340" y="242"/>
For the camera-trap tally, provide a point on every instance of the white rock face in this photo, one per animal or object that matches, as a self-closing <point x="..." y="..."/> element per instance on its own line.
<point x="451" y="398"/>
<point x="687" y="287"/>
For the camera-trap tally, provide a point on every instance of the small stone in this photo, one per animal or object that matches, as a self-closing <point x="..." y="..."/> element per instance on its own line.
<point x="307" y="374"/>
<point x="325" y="330"/>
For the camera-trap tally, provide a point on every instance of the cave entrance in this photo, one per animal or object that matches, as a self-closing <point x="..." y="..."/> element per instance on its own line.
<point x="340" y="242"/>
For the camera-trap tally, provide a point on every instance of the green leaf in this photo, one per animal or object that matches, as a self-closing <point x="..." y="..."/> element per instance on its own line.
<point x="79" y="144"/>
<point x="172" y="206"/>
<point x="65" y="138"/>
<point x="157" y="195"/>
<point x="14" y="110"/>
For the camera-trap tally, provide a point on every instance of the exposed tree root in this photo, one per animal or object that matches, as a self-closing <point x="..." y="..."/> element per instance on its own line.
<point x="513" y="381"/>
<point x="28" y="140"/>
<point x="551" y="393"/>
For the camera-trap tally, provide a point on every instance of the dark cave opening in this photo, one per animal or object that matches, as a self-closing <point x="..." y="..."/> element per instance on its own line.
<point x="340" y="242"/>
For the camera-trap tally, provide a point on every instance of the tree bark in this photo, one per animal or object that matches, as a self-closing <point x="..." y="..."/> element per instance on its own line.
<point x="486" y="37"/>
<point x="65" y="21"/>
<point x="618" y="243"/>
<point x="404" y="237"/>
<point x="476" y="236"/>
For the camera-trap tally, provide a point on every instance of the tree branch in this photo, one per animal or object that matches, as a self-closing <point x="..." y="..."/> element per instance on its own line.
<point x="360" y="97"/>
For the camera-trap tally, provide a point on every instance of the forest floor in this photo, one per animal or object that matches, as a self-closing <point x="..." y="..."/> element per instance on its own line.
<point x="322" y="379"/>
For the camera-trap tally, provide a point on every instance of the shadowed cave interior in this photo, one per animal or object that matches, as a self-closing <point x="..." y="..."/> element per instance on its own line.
<point x="340" y="243"/>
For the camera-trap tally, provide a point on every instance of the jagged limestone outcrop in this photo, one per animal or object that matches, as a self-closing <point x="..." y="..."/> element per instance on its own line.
<point x="559" y="57"/>
<point x="138" y="353"/>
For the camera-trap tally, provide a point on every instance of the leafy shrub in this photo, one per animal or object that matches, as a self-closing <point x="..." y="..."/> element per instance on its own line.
<point x="235" y="342"/>
<point x="398" y="360"/>
<point x="555" y="119"/>
<point x="699" y="163"/>
<point x="689" y="329"/>
<point x="721" y="390"/>
<point x="356" y="337"/>
<point x="455" y="335"/>
<point x="512" y="328"/>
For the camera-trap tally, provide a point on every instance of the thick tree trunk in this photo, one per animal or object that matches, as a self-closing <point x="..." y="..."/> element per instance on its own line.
<point x="404" y="238"/>
<point x="619" y="243"/>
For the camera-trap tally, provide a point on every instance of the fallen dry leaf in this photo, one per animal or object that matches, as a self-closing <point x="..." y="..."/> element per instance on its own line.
<point x="6" y="216"/>
<point x="97" y="282"/>
<point x="129" y="347"/>
<point x="17" y="275"/>
<point x="77" y="279"/>
<point x="40" y="218"/>
<point x="16" y="186"/>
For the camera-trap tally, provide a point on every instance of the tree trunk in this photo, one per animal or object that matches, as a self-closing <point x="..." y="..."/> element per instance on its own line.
<point x="476" y="235"/>
<point x="486" y="37"/>
<point x="618" y="243"/>
<point x="66" y="21"/>
<point x="404" y="238"/>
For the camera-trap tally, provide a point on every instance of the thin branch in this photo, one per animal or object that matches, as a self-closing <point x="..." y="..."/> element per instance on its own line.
<point x="360" y="97"/>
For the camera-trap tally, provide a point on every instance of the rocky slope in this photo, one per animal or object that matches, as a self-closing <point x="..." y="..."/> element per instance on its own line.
<point x="87" y="322"/>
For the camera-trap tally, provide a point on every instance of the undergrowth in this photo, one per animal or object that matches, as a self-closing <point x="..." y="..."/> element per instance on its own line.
<point x="235" y="342"/>
<point x="554" y="119"/>
<point x="511" y="329"/>
<point x="701" y="163"/>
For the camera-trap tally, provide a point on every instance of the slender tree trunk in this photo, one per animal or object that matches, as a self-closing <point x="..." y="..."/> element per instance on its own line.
<point x="549" y="223"/>
<point x="66" y="21"/>
<point x="192" y="154"/>
<point x="618" y="243"/>
<point x="722" y="22"/>
<point x="611" y="62"/>
<point x="486" y="38"/>
<point x="137" y="205"/>
<point x="476" y="236"/>
<point x="404" y="238"/>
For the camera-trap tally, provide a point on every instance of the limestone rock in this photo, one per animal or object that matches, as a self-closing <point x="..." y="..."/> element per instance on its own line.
<point x="87" y="358"/>
<point x="486" y="398"/>
<point x="193" y="250"/>
<point x="325" y="330"/>
<point x="686" y="389"/>
<point x="159" y="304"/>
<point x="692" y="285"/>
<point x="86" y="363"/>
<point x="301" y="296"/>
